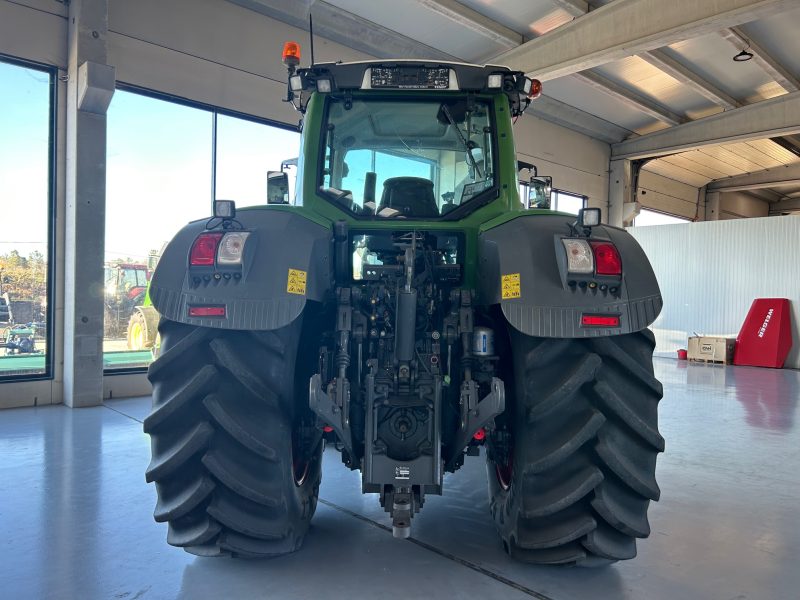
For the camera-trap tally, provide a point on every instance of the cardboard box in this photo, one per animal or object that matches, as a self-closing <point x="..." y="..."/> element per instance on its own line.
<point x="711" y="349"/>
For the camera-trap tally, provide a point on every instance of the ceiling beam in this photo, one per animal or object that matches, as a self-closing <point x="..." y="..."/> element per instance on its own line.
<point x="768" y="118"/>
<point x="345" y="28"/>
<point x="630" y="98"/>
<point x="663" y="62"/>
<point x="762" y="58"/>
<point x="475" y="21"/>
<point x="785" y="205"/>
<point x="577" y="8"/>
<point x="573" y="118"/>
<point x="627" y="27"/>
<point x="770" y="178"/>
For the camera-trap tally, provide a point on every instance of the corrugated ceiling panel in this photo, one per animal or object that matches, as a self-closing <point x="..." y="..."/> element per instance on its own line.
<point x="700" y="158"/>
<point x="580" y="95"/>
<point x="697" y="159"/>
<point x="742" y="158"/>
<point x="671" y="171"/>
<point x="550" y="21"/>
<point x="420" y="23"/>
<point x="792" y="191"/>
<point x="778" y="36"/>
<point x="651" y="82"/>
<point x="711" y="57"/>
<point x="683" y="161"/>
<point x="768" y="90"/>
<point x="515" y="14"/>
<point x="775" y="151"/>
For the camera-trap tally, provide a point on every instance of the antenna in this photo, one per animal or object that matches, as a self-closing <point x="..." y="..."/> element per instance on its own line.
<point x="311" y="35"/>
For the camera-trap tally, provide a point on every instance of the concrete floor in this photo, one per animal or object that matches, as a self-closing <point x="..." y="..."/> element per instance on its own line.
<point x="75" y="514"/>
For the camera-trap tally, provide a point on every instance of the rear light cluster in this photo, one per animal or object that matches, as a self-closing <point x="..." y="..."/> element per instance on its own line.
<point x="592" y="257"/>
<point x="225" y="249"/>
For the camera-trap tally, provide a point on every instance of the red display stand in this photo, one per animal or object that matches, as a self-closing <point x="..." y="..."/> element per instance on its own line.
<point x="766" y="336"/>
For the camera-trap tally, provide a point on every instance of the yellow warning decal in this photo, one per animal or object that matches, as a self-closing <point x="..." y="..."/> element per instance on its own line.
<point x="510" y="287"/>
<point x="296" y="283"/>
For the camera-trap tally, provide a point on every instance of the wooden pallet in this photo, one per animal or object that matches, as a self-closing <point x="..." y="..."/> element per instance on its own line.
<point x="711" y="361"/>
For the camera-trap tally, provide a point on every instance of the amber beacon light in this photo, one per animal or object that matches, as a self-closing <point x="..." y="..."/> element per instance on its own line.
<point x="291" y="54"/>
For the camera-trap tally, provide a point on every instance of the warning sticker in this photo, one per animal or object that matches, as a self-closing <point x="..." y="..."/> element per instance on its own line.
<point x="510" y="287"/>
<point x="296" y="283"/>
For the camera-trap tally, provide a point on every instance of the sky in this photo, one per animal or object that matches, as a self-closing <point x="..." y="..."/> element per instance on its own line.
<point x="24" y="133"/>
<point x="158" y="172"/>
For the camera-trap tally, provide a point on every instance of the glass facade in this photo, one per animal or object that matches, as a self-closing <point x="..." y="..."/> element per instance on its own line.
<point x="166" y="161"/>
<point x="26" y="199"/>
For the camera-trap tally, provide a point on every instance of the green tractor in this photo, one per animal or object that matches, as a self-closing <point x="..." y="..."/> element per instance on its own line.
<point x="409" y="310"/>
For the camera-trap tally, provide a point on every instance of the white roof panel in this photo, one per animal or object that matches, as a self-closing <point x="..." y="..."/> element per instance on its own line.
<point x="580" y="95"/>
<point x="711" y="57"/>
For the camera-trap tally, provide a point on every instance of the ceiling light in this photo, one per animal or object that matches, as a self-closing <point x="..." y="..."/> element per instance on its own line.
<point x="743" y="56"/>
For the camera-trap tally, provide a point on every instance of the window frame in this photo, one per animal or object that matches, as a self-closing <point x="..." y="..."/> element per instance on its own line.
<point x="554" y="195"/>
<point x="472" y="205"/>
<point x="215" y="112"/>
<point x="664" y="213"/>
<point x="52" y="183"/>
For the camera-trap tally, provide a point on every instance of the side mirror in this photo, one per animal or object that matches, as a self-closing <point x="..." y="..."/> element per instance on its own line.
<point x="539" y="192"/>
<point x="277" y="187"/>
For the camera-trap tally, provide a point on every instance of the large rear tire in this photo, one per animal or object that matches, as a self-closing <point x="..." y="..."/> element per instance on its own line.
<point x="222" y="428"/>
<point x="577" y="482"/>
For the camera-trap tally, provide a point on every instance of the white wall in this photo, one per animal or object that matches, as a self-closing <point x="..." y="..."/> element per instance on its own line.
<point x="668" y="195"/>
<point x="576" y="162"/>
<point x="710" y="273"/>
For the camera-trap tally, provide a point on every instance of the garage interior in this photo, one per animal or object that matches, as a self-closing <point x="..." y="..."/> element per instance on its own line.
<point x="122" y="121"/>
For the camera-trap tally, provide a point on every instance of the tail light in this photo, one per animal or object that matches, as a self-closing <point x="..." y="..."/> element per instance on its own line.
<point x="231" y="248"/>
<point x="606" y="258"/>
<point x="204" y="249"/>
<point x="579" y="256"/>
<point x="592" y="257"/>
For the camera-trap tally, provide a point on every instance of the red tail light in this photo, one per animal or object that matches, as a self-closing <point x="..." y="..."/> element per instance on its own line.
<point x="606" y="259"/>
<point x="599" y="321"/>
<point x="204" y="249"/>
<point x="206" y="311"/>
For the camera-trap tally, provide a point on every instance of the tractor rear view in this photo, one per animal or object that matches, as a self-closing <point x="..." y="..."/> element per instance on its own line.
<point x="409" y="311"/>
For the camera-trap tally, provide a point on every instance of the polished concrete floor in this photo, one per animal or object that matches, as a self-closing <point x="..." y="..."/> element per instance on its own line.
<point x="75" y="514"/>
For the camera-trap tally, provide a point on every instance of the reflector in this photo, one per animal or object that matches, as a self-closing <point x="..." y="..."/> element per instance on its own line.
<point x="206" y="311"/>
<point x="599" y="321"/>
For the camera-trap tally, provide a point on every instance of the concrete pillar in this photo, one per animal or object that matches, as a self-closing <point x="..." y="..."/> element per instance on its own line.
<point x="89" y="90"/>
<point x="712" y="206"/>
<point x="620" y="191"/>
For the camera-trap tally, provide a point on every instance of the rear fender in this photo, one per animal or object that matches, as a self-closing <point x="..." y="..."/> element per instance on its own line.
<point x="523" y="268"/>
<point x="286" y="262"/>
